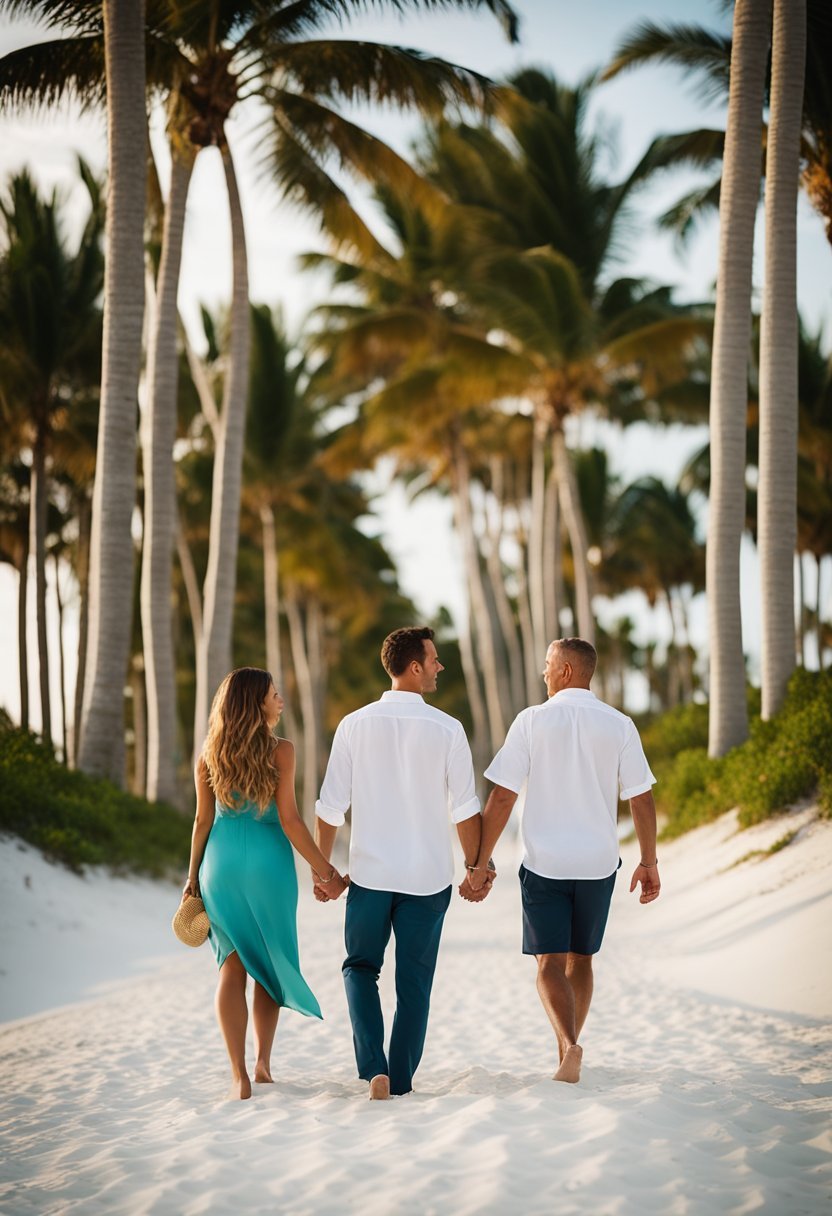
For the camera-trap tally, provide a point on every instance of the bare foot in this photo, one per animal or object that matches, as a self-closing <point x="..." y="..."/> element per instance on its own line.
<point x="570" y="1068"/>
<point x="379" y="1088"/>
<point x="263" y="1074"/>
<point x="240" y="1087"/>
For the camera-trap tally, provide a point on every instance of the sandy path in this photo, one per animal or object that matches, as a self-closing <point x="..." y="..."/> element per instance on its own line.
<point x="689" y="1102"/>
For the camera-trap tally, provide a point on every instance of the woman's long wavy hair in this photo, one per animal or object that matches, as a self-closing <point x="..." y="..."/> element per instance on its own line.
<point x="240" y="744"/>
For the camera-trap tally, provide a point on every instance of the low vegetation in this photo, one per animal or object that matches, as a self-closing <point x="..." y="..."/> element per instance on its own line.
<point x="784" y="760"/>
<point x="79" y="821"/>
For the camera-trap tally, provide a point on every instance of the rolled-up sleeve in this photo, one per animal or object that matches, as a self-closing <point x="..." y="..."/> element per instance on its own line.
<point x="634" y="775"/>
<point x="510" y="767"/>
<point x="462" y="799"/>
<point x="336" y="790"/>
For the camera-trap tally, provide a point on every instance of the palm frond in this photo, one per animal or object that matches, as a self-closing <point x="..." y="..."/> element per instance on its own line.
<point x="702" y="54"/>
<point x="683" y="217"/>
<point x="47" y="72"/>
<point x="304" y="125"/>
<point x="374" y="73"/>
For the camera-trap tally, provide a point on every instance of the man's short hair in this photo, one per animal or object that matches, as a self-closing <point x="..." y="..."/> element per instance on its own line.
<point x="403" y="647"/>
<point x="579" y="653"/>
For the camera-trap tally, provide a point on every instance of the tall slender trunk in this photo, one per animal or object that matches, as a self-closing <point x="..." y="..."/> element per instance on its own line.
<point x="532" y="662"/>
<point x="508" y="625"/>
<point x="777" y="487"/>
<point x="271" y="593"/>
<point x="306" y="695"/>
<point x="189" y="578"/>
<point x="479" y="605"/>
<point x="61" y="656"/>
<point x="800" y="630"/>
<point x="552" y="563"/>
<point x="537" y="586"/>
<point x="479" y="717"/>
<point x="728" y="718"/>
<point x="317" y="671"/>
<point x="576" y="531"/>
<point x="111" y="549"/>
<point x="158" y="435"/>
<point x="22" y="643"/>
<point x="818" y="608"/>
<point x="214" y="656"/>
<point x="137" y="688"/>
<point x="82" y="570"/>
<point x="38" y="498"/>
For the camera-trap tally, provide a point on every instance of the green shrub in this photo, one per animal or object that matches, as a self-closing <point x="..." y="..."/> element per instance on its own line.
<point x="783" y="760"/>
<point x="80" y="821"/>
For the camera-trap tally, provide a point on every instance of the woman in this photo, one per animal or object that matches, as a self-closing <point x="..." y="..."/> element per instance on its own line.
<point x="243" y="866"/>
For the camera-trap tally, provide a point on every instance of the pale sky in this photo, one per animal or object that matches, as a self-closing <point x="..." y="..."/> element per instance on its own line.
<point x="568" y="39"/>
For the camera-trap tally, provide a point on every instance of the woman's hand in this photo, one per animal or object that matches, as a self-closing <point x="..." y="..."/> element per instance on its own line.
<point x="191" y="887"/>
<point x="332" y="886"/>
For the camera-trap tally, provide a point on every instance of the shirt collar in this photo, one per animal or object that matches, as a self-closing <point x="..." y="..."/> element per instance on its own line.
<point x="581" y="693"/>
<point x="395" y="694"/>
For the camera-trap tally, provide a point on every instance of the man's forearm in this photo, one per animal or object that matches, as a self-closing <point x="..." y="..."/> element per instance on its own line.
<point x="469" y="832"/>
<point x="494" y="819"/>
<point x="643" y="811"/>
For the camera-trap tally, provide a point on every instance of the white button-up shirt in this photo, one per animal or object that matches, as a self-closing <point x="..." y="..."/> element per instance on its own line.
<point x="575" y="756"/>
<point x="404" y="767"/>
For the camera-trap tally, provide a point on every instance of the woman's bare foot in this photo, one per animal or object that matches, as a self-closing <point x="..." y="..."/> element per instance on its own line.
<point x="263" y="1074"/>
<point x="570" y="1067"/>
<point x="240" y="1087"/>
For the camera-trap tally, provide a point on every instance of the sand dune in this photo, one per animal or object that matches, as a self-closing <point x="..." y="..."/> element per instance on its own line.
<point x="707" y="1083"/>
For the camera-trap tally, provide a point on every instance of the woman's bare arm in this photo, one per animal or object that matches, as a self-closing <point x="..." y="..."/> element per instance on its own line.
<point x="294" y="827"/>
<point x="203" y="822"/>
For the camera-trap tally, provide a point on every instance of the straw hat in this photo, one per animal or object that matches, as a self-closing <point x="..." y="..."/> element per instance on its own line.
<point x="190" y="923"/>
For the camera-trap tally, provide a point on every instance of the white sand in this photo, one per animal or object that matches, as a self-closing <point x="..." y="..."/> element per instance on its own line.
<point x="707" y="1081"/>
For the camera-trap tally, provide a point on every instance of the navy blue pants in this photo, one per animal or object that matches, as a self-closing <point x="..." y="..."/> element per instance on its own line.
<point x="416" y="921"/>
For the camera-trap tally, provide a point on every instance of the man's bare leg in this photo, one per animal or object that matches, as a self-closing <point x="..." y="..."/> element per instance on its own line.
<point x="558" y="999"/>
<point x="579" y="974"/>
<point x="232" y="1015"/>
<point x="264" y="1016"/>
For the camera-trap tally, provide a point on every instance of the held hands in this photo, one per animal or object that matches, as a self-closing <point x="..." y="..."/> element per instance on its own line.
<point x="651" y="884"/>
<point x="477" y="883"/>
<point x="331" y="888"/>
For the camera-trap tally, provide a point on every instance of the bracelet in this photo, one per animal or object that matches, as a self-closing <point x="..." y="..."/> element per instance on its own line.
<point x="473" y="869"/>
<point x="324" y="881"/>
<point x="649" y="865"/>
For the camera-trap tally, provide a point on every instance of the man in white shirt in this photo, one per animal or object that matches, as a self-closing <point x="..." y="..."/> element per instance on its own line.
<point x="575" y="756"/>
<point x="404" y="767"/>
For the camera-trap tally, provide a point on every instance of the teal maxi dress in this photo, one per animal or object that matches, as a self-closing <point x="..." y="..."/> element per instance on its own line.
<point x="250" y="889"/>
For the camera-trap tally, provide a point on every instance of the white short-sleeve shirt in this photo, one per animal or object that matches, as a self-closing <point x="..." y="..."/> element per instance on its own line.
<point x="405" y="768"/>
<point x="575" y="756"/>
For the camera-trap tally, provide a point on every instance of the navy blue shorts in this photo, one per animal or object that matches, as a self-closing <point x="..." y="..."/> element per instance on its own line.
<point x="564" y="914"/>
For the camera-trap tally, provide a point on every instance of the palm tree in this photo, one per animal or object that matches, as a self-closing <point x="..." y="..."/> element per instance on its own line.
<point x="101" y="748"/>
<point x="707" y="56"/>
<point x="777" y="491"/>
<point x="50" y="333"/>
<point x="207" y="58"/>
<point x="728" y="719"/>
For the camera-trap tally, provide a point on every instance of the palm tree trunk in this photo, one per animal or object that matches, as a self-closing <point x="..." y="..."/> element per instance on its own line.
<point x="552" y="567"/>
<point x="271" y="599"/>
<point x="111" y="549"/>
<point x="479" y="607"/>
<point x="61" y="655"/>
<point x="818" y="607"/>
<point x="189" y="578"/>
<point x="800" y="632"/>
<point x="37" y="546"/>
<point x="479" y="717"/>
<point x="576" y="531"/>
<point x="777" y="487"/>
<point x="508" y="625"/>
<point x="306" y="695"/>
<point x="83" y="574"/>
<point x="728" y="718"/>
<point x="137" y="687"/>
<point x="532" y="662"/>
<point x="537" y="586"/>
<point x="158" y="435"/>
<point x="214" y="656"/>
<point x="317" y="671"/>
<point x="22" y="643"/>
